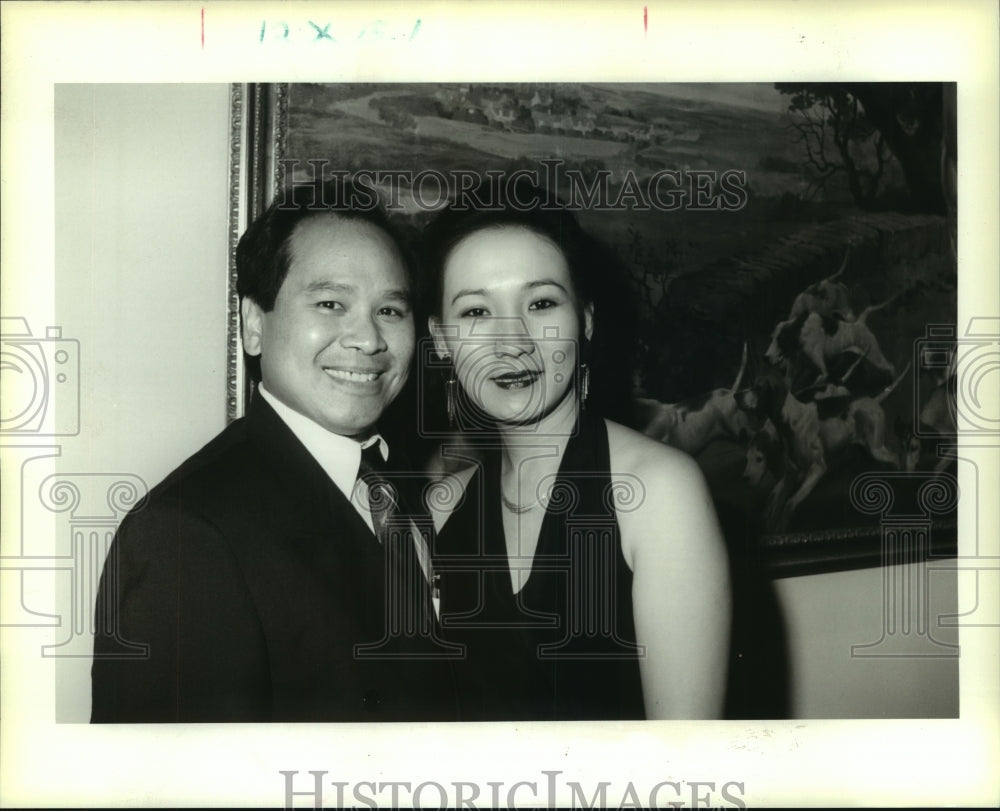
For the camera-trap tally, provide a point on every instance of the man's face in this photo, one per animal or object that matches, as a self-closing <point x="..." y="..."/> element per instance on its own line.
<point x="338" y="343"/>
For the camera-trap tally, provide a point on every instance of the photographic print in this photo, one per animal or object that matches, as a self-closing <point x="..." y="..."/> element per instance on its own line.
<point x="760" y="243"/>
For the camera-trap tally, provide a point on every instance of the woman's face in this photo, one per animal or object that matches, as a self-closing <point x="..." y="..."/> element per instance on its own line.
<point x="510" y="321"/>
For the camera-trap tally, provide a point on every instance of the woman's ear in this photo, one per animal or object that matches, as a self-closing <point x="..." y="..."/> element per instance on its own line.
<point x="440" y="346"/>
<point x="252" y="317"/>
<point x="588" y="320"/>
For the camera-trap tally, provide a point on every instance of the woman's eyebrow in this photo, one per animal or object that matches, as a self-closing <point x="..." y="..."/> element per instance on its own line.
<point x="461" y="293"/>
<point x="545" y="283"/>
<point x="527" y="286"/>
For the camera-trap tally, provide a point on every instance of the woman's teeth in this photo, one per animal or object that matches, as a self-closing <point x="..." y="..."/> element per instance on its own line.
<point x="515" y="380"/>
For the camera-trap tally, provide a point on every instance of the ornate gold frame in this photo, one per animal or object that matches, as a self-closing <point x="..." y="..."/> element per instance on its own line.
<point x="258" y="121"/>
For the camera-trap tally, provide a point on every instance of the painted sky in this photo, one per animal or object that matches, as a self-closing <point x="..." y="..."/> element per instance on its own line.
<point x="757" y="96"/>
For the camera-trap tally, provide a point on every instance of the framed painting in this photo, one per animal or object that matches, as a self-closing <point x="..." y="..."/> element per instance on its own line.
<point x="788" y="251"/>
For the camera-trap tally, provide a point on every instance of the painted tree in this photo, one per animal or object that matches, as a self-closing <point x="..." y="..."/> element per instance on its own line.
<point x="852" y="127"/>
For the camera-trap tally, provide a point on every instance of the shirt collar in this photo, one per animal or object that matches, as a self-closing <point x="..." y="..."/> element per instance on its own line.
<point x="338" y="455"/>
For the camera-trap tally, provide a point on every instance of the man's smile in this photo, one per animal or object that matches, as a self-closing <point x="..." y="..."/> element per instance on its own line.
<point x="353" y="375"/>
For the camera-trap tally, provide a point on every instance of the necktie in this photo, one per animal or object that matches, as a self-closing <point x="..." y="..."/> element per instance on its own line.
<point x="409" y="616"/>
<point x="383" y="500"/>
<point x="407" y="593"/>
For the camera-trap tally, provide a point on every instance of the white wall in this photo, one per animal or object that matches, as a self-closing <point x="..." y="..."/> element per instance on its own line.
<point x="903" y="608"/>
<point x="141" y="252"/>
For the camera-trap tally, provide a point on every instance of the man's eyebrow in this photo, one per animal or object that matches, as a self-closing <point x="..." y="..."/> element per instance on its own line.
<point x="325" y="285"/>
<point x="398" y="295"/>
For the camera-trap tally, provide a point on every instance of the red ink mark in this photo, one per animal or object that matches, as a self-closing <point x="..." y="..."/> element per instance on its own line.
<point x="645" y="19"/>
<point x="203" y="29"/>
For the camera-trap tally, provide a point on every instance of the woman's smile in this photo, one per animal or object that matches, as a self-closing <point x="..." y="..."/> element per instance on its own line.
<point x="516" y="380"/>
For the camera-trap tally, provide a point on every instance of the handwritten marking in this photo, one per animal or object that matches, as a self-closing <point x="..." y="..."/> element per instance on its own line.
<point x="263" y="29"/>
<point x="377" y="30"/>
<point x="322" y="33"/>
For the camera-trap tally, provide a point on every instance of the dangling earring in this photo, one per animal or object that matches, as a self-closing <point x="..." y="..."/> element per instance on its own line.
<point x="450" y="398"/>
<point x="584" y="385"/>
<point x="449" y="392"/>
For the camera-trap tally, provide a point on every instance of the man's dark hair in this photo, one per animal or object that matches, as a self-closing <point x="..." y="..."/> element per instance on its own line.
<point x="263" y="255"/>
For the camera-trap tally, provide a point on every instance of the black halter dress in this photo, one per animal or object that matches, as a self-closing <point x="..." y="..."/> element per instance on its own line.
<point x="564" y="646"/>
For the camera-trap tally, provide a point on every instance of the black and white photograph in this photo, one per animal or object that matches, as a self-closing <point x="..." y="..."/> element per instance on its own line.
<point x="448" y="436"/>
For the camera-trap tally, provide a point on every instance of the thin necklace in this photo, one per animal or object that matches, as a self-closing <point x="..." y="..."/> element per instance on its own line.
<point x="517" y="509"/>
<point x="520" y="509"/>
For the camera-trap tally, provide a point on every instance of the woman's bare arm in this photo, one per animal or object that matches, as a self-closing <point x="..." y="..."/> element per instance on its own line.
<point x="680" y="588"/>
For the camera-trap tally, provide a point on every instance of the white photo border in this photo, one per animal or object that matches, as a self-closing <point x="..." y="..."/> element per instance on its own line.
<point x="789" y="763"/>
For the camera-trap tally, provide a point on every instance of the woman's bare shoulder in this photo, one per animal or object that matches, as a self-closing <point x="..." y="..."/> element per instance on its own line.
<point x="661" y="498"/>
<point x="636" y="454"/>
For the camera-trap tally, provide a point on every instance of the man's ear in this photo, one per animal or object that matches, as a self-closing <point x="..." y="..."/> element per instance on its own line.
<point x="434" y="325"/>
<point x="253" y="325"/>
<point x="588" y="321"/>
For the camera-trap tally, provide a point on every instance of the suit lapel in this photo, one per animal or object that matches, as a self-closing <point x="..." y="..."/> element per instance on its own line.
<point x="324" y="520"/>
<point x="317" y="501"/>
<point x="316" y="517"/>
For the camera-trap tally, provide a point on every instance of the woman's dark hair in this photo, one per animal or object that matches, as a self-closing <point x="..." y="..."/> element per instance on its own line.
<point x="598" y="275"/>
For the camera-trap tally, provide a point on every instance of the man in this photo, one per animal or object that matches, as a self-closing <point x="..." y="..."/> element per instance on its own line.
<point x="260" y="577"/>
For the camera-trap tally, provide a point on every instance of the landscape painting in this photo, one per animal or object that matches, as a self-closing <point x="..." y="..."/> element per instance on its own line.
<point x="788" y="249"/>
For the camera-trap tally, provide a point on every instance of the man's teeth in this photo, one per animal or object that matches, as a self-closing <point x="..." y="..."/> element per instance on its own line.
<point x="353" y="377"/>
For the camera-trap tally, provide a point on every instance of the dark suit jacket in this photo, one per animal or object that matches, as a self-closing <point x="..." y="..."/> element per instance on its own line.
<point x="250" y="578"/>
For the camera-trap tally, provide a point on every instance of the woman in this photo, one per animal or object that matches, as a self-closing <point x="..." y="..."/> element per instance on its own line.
<point x="581" y="564"/>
